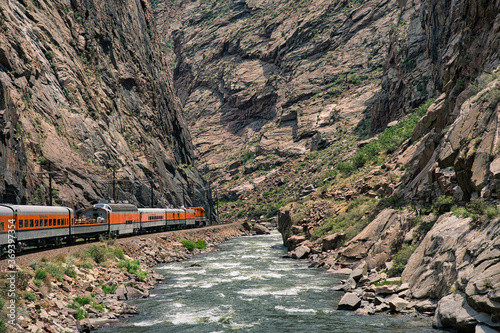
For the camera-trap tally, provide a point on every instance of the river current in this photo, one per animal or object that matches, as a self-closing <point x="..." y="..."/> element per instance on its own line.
<point x="248" y="287"/>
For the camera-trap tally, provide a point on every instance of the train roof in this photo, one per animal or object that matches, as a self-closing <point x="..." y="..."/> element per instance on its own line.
<point x="152" y="210"/>
<point x="29" y="209"/>
<point x="175" y="210"/>
<point x="117" y="207"/>
<point x="5" y="211"/>
<point x="196" y="208"/>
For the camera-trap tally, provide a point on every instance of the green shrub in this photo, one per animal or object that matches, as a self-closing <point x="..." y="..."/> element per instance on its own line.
<point x="87" y="265"/>
<point x="390" y="139"/>
<point x="132" y="266"/>
<point x="345" y="167"/>
<point x="56" y="270"/>
<point x="395" y="201"/>
<point x="80" y="314"/>
<point x="109" y="241"/>
<point x="247" y="156"/>
<point x="40" y="274"/>
<point x="2" y="303"/>
<point x="460" y="211"/>
<point x="492" y="212"/>
<point x="444" y="200"/>
<point x="422" y="228"/>
<point x="3" y="326"/>
<point x="37" y="282"/>
<point x="70" y="271"/>
<point x="30" y="296"/>
<point x="119" y="253"/>
<point x="358" y="215"/>
<point x="400" y="260"/>
<point x="49" y="55"/>
<point x="191" y="245"/>
<point x="97" y="306"/>
<point x="388" y="283"/>
<point x="22" y="280"/>
<point x="83" y="300"/>
<point x="201" y="244"/>
<point x="108" y="289"/>
<point x="477" y="206"/>
<point x="188" y="244"/>
<point x="97" y="253"/>
<point x="33" y="265"/>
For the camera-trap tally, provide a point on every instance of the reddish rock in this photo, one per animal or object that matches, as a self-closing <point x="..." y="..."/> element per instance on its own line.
<point x="333" y="241"/>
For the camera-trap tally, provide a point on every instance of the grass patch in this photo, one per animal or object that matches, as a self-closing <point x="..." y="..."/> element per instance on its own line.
<point x="83" y="300"/>
<point x="358" y="215"/>
<point x="388" y="283"/>
<point x="87" y="265"/>
<point x="70" y="271"/>
<point x="132" y="266"/>
<point x="191" y="245"/>
<point x="40" y="274"/>
<point x="478" y="210"/>
<point x="55" y="270"/>
<point x="29" y="296"/>
<point x="389" y="140"/>
<point x="108" y="289"/>
<point x="400" y="260"/>
<point x="98" y="253"/>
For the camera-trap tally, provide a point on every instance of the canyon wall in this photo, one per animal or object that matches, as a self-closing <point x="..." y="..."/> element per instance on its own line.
<point x="86" y="92"/>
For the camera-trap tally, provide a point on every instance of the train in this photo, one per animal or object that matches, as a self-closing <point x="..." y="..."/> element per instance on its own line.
<point x="35" y="226"/>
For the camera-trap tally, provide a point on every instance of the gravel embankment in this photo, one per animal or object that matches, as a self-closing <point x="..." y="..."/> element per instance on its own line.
<point x="25" y="258"/>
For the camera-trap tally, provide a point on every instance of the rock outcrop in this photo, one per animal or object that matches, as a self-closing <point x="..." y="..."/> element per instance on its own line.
<point x="85" y="90"/>
<point x="376" y="242"/>
<point x="452" y="49"/>
<point x="457" y="261"/>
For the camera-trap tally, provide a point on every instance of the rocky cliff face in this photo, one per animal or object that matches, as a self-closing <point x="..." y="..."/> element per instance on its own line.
<point x="449" y="48"/>
<point x="275" y="78"/>
<point x="85" y="90"/>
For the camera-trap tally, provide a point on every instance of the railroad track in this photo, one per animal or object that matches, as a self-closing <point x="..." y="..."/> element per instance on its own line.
<point x="28" y="256"/>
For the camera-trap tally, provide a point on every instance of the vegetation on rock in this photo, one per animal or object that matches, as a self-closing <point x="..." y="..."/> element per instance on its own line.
<point x="191" y="245"/>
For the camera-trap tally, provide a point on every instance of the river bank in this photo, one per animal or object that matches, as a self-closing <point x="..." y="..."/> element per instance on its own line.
<point x="440" y="265"/>
<point x="82" y="288"/>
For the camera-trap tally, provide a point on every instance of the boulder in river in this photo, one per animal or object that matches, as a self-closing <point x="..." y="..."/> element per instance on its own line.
<point x="301" y="252"/>
<point x="260" y="229"/>
<point x="350" y="301"/>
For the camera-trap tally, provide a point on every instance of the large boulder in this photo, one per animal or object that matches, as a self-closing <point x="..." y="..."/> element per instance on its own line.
<point x="301" y="252"/>
<point x="260" y="229"/>
<point x="397" y="304"/>
<point x="431" y="270"/>
<point x="295" y="241"/>
<point x="285" y="224"/>
<point x="454" y="312"/>
<point x="360" y="271"/>
<point x="350" y="301"/>
<point x="333" y="241"/>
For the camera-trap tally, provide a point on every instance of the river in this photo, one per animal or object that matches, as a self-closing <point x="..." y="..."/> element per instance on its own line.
<point x="248" y="287"/>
